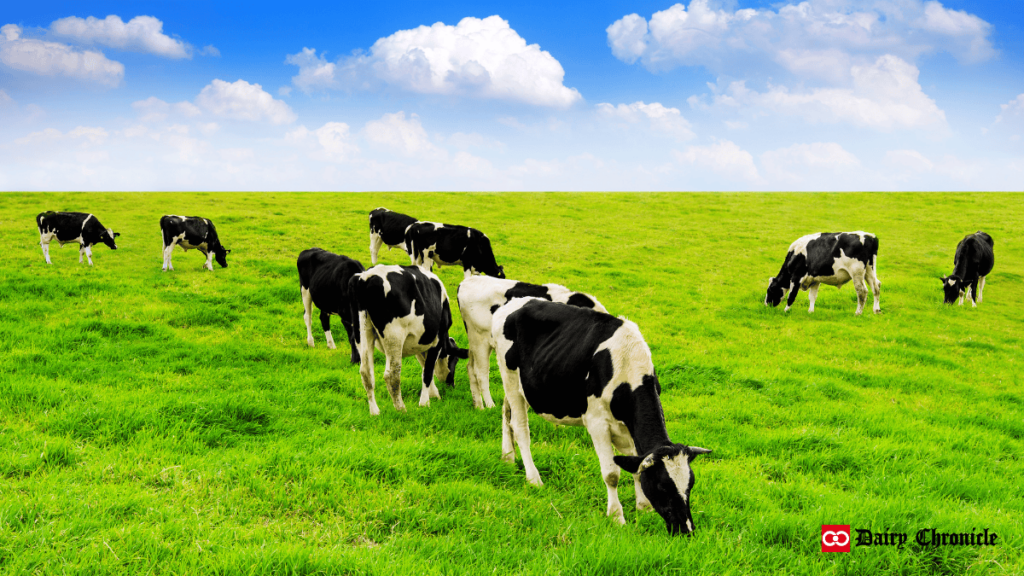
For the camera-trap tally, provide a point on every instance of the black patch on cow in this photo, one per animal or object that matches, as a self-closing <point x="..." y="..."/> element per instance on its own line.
<point x="454" y="245"/>
<point x="524" y="290"/>
<point x="974" y="258"/>
<point x="69" y="226"/>
<point x="197" y="231"/>
<point x="580" y="300"/>
<point x="554" y="348"/>
<point x="640" y="410"/>
<point x="326" y="275"/>
<point x="390" y="226"/>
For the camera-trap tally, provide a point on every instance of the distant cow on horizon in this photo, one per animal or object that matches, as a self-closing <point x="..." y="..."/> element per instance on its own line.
<point x="79" y="227"/>
<point x="387" y="228"/>
<point x="974" y="260"/>
<point x="832" y="258"/>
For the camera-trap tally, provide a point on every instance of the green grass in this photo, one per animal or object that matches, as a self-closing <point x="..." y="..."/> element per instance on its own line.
<point x="177" y="423"/>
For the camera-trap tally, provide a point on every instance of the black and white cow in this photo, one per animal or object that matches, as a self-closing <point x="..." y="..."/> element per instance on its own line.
<point x="479" y="297"/>
<point x="576" y="366"/>
<point x="403" y="311"/>
<point x="387" y="228"/>
<point x="78" y="227"/>
<point x="324" y="280"/>
<point x="192" y="232"/>
<point x="447" y="244"/>
<point x="973" y="261"/>
<point x="832" y="258"/>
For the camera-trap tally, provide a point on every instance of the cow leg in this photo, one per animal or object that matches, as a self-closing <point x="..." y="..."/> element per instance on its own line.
<point x="520" y="424"/>
<point x="478" y="366"/>
<point x="81" y="252"/>
<point x="350" y="332"/>
<point x="325" y="323"/>
<point x="168" y="252"/>
<point x="209" y="261"/>
<point x="307" y="314"/>
<point x="393" y="370"/>
<point x="981" y="289"/>
<point x="862" y="292"/>
<point x="624" y="443"/>
<point x="367" y="338"/>
<point x="44" y="242"/>
<point x="876" y="288"/>
<point x="972" y="293"/>
<point x="812" y="295"/>
<point x="88" y="254"/>
<point x="792" y="297"/>
<point x="427" y="379"/>
<point x="508" y="444"/>
<point x="375" y="243"/>
<point x="602" y="438"/>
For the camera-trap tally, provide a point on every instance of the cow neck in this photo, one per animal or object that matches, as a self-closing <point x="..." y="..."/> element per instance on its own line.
<point x="648" y="423"/>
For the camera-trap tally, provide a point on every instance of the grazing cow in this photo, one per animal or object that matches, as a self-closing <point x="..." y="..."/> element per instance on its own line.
<point x="479" y="297"/>
<point x="403" y="311"/>
<point x="828" y="258"/>
<point x="446" y="244"/>
<point x="192" y="232"/>
<point x="387" y="228"/>
<point x="973" y="261"/>
<point x="324" y="280"/>
<point x="581" y="367"/>
<point x="79" y="227"/>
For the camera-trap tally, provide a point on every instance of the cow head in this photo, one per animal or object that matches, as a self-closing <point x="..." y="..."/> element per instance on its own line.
<point x="221" y="254"/>
<point x="667" y="479"/>
<point x="448" y="359"/>
<point x="107" y="237"/>
<point x="952" y="286"/>
<point x="776" y="292"/>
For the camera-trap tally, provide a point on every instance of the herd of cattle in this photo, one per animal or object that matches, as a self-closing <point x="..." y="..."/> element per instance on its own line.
<point x="559" y="352"/>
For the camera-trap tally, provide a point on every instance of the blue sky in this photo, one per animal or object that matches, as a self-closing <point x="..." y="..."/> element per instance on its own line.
<point x="701" y="95"/>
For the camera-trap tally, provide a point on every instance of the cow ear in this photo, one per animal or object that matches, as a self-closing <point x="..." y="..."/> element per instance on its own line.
<point x="629" y="463"/>
<point x="227" y="251"/>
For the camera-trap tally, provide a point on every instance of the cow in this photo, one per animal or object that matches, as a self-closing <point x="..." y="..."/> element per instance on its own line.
<point x="387" y="228"/>
<point x="832" y="258"/>
<point x="577" y="366"/>
<point x="973" y="261"/>
<point x="479" y="297"/>
<point x="192" y="232"/>
<point x="79" y="227"/>
<point x="324" y="280"/>
<point x="447" y="244"/>
<point x="403" y="311"/>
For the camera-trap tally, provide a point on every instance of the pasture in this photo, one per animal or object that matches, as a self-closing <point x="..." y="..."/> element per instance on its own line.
<point x="176" y="422"/>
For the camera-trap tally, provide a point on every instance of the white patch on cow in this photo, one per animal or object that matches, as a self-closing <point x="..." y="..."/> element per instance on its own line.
<point x="799" y="246"/>
<point x="689" y="525"/>
<point x="330" y="340"/>
<point x="951" y="282"/>
<point x="631" y="358"/>
<point x="678" y="468"/>
<point x="84" y="222"/>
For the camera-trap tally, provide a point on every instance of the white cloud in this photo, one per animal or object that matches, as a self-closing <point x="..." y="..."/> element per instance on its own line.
<point x="406" y="136"/>
<point x="140" y="34"/>
<point x="210" y="50"/>
<point x="243" y="101"/>
<point x="55" y="59"/>
<point x="477" y="57"/>
<point x="85" y="135"/>
<point x="724" y="158"/>
<point x="154" y="109"/>
<point x="795" y="163"/>
<point x="1014" y="109"/>
<point x="5" y="99"/>
<point x="284" y="91"/>
<point x="669" y="121"/>
<point x="885" y="95"/>
<point x="812" y="37"/>
<point x="315" y="73"/>
<point x="331" y="142"/>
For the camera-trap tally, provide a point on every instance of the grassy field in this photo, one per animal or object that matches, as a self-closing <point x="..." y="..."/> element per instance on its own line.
<point x="177" y="423"/>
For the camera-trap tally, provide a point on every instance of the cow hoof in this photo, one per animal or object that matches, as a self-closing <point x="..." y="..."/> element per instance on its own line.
<point x="488" y="403"/>
<point x="374" y="410"/>
<point x="510" y="457"/>
<point x="643" y="506"/>
<point x="331" y="346"/>
<point x="354" y="358"/>
<point x="535" y="481"/>
<point x="311" y="343"/>
<point x="424" y="402"/>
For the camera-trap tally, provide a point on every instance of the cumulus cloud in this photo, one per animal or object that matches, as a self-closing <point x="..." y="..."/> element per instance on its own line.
<point x="56" y="59"/>
<point x="401" y="134"/>
<point x="153" y="109"/>
<point x="813" y="37"/>
<point x="1014" y="109"/>
<point x="885" y="95"/>
<point x="724" y="158"/>
<point x="140" y="34"/>
<point x="483" y="58"/>
<point x="660" y="118"/>
<point x="243" y="101"/>
<point x="331" y="142"/>
<point x="795" y="163"/>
